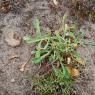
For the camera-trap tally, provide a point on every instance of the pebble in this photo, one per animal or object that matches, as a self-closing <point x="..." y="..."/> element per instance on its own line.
<point x="12" y="80"/>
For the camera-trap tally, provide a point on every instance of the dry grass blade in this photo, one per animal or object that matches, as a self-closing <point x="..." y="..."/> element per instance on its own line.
<point x="22" y="67"/>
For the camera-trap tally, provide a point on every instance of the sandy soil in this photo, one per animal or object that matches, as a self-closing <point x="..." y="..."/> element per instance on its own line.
<point x="18" y="19"/>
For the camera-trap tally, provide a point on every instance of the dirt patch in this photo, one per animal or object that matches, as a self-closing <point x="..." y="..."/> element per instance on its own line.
<point x="87" y="79"/>
<point x="18" y="19"/>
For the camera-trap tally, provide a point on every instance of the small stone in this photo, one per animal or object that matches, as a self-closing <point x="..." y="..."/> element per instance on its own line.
<point x="12" y="80"/>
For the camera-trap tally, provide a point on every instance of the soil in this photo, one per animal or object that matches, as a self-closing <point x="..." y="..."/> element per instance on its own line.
<point x="17" y="16"/>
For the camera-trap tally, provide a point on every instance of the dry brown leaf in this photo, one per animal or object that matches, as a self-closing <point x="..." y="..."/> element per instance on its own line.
<point x="73" y="71"/>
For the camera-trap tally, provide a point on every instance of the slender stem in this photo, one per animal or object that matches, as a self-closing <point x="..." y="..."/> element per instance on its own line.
<point x="45" y="55"/>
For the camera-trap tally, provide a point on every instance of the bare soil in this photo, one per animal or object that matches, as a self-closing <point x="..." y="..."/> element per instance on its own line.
<point x="17" y="17"/>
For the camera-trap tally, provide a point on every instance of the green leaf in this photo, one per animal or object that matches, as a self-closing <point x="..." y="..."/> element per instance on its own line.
<point x="27" y="39"/>
<point x="93" y="43"/>
<point x="36" y="24"/>
<point x="36" y="60"/>
<point x="58" y="37"/>
<point x="46" y="46"/>
<point x="77" y="55"/>
<point x="57" y="72"/>
<point x="65" y="71"/>
<point x="71" y="34"/>
<point x="37" y="54"/>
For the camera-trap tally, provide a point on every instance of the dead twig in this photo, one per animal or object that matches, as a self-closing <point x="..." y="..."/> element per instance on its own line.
<point x="22" y="68"/>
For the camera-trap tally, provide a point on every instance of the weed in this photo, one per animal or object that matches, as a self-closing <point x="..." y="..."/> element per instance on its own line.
<point x="56" y="52"/>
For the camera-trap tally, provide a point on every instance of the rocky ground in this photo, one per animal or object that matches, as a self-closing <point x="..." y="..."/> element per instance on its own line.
<point x="16" y="19"/>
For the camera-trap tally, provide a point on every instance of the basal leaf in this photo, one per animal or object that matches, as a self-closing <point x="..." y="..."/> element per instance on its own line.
<point x="36" y="24"/>
<point x="36" y="60"/>
<point x="58" y="37"/>
<point x="57" y="72"/>
<point x="65" y="71"/>
<point x="37" y="54"/>
<point x="29" y="40"/>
